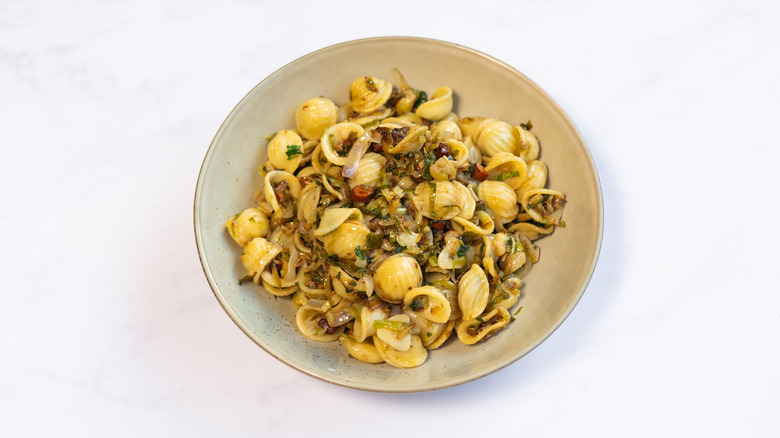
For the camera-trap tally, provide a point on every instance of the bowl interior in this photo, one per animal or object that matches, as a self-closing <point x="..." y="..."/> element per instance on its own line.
<point x="482" y="86"/>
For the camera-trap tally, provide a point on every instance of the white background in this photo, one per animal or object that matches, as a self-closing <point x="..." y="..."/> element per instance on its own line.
<point x="108" y="326"/>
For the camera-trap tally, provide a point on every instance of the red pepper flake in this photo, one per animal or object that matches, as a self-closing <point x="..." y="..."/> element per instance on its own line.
<point x="323" y="323"/>
<point x="442" y="150"/>
<point x="361" y="193"/>
<point x="439" y="225"/>
<point x="479" y="174"/>
<point x="279" y="190"/>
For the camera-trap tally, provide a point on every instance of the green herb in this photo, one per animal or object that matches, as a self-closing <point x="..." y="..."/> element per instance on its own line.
<point x="370" y="83"/>
<point x="506" y="175"/>
<point x="397" y="250"/>
<point x="462" y="251"/>
<point x="430" y="158"/>
<point x="359" y="253"/>
<point x="518" y="310"/>
<point x="373" y="241"/>
<point x="418" y="303"/>
<point x="293" y="150"/>
<point x="422" y="97"/>
<point x="244" y="279"/>
<point x="391" y="325"/>
<point x="271" y="137"/>
<point x="480" y="319"/>
<point x="316" y="276"/>
<point x="428" y="334"/>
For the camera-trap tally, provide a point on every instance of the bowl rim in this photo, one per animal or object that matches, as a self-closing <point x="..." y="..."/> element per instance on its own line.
<point x="427" y="387"/>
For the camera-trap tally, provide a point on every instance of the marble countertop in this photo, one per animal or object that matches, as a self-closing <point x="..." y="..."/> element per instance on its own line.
<point x="109" y="328"/>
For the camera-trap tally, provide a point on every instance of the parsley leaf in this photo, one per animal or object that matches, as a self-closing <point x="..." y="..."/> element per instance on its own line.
<point x="293" y="150"/>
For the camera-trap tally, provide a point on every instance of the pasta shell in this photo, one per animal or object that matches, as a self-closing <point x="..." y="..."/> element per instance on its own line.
<point x="272" y="179"/>
<point x="446" y="129"/>
<point x="468" y="125"/>
<point x="508" y="168"/>
<point x="459" y="152"/>
<point x="471" y="331"/>
<point x="505" y="294"/>
<point x="438" y="107"/>
<point x="247" y="225"/>
<point x="396" y="276"/>
<point x="257" y="254"/>
<point x="443" y="336"/>
<point x="344" y="240"/>
<point x="443" y="200"/>
<point x="307" y="205"/>
<point x="370" y="170"/>
<point x="425" y="328"/>
<point x="400" y="341"/>
<point x="482" y="224"/>
<point x="442" y="281"/>
<point x="372" y="119"/>
<point x="413" y="141"/>
<point x="364" y="324"/>
<point x="544" y="205"/>
<point x="536" y="178"/>
<point x="338" y="137"/>
<point x="493" y="136"/>
<point x="473" y="292"/>
<point x="499" y="198"/>
<point x="316" y="115"/>
<point x="332" y="218"/>
<point x="413" y="357"/>
<point x="531" y="231"/>
<point x="362" y="351"/>
<point x="528" y="144"/>
<point x="430" y="302"/>
<point x="367" y="94"/>
<point x="307" y="319"/>
<point x="285" y="150"/>
<point x="347" y="286"/>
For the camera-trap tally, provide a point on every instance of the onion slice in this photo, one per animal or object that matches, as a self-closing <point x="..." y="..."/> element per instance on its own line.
<point x="355" y="154"/>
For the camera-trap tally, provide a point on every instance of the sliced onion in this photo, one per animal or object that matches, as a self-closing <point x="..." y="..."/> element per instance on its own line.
<point x="339" y="315"/>
<point x="355" y="154"/>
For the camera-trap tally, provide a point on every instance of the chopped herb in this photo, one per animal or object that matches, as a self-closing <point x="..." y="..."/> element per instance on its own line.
<point x="397" y="250"/>
<point x="418" y="303"/>
<point x="271" y="137"/>
<point x="430" y="158"/>
<point x="359" y="253"/>
<point x="392" y="325"/>
<point x="518" y="310"/>
<point x="373" y="241"/>
<point x="422" y="97"/>
<point x="429" y="334"/>
<point x="480" y="319"/>
<point x="462" y="251"/>
<point x="293" y="150"/>
<point x="506" y="175"/>
<point x="244" y="279"/>
<point x="432" y="201"/>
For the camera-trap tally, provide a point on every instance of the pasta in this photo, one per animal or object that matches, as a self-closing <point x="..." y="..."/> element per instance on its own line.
<point x="392" y="223"/>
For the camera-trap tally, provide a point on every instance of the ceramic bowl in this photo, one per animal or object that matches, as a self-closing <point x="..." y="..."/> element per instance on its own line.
<point x="482" y="86"/>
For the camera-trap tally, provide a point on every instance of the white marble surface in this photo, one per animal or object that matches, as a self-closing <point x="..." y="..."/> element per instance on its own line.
<point x="108" y="327"/>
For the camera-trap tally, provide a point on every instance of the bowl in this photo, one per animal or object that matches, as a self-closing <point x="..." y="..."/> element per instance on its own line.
<point x="482" y="86"/>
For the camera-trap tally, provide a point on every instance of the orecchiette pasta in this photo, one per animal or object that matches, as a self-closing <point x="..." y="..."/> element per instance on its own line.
<point x="391" y="223"/>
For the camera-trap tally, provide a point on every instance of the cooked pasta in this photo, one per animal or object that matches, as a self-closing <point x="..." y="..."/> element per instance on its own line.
<point x="392" y="223"/>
